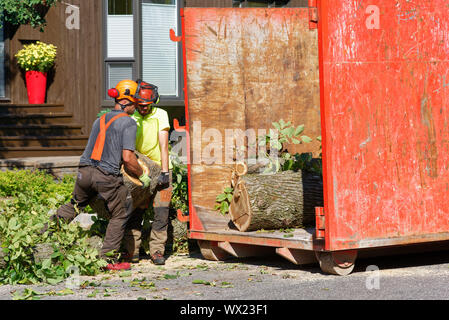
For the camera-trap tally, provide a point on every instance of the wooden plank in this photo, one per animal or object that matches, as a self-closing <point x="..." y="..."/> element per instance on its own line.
<point x="298" y="257"/>
<point x="245" y="69"/>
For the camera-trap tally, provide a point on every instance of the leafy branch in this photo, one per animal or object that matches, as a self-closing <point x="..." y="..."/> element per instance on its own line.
<point x="24" y="12"/>
<point x="224" y="200"/>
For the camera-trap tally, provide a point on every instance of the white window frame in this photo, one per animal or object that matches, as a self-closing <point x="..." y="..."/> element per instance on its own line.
<point x="106" y="102"/>
<point x="4" y="64"/>
<point x="177" y="100"/>
<point x="136" y="61"/>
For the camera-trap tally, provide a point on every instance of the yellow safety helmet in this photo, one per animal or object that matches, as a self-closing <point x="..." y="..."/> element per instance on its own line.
<point x="125" y="89"/>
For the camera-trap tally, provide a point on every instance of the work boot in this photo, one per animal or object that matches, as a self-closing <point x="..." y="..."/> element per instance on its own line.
<point x="158" y="258"/>
<point x="131" y="258"/>
<point x="118" y="266"/>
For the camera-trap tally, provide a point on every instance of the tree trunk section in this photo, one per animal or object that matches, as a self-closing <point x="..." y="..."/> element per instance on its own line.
<point x="134" y="185"/>
<point x="274" y="201"/>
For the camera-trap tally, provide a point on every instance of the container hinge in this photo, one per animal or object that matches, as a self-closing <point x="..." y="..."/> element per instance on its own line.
<point x="320" y="224"/>
<point x="313" y="14"/>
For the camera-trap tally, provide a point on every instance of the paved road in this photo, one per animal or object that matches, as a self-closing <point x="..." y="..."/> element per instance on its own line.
<point x="413" y="276"/>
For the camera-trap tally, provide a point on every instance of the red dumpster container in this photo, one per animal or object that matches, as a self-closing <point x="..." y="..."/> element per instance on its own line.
<point x="371" y="79"/>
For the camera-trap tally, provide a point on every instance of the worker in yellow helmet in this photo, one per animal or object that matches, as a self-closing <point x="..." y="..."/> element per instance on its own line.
<point x="152" y="141"/>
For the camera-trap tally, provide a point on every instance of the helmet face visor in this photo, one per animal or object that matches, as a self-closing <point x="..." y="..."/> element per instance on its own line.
<point x="148" y="94"/>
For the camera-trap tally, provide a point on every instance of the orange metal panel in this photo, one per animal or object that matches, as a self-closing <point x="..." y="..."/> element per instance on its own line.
<point x="384" y="92"/>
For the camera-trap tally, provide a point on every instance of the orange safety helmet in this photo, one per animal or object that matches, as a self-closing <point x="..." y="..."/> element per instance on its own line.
<point x="125" y="89"/>
<point x="147" y="93"/>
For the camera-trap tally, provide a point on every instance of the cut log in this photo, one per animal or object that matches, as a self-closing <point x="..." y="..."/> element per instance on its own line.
<point x="134" y="185"/>
<point x="274" y="201"/>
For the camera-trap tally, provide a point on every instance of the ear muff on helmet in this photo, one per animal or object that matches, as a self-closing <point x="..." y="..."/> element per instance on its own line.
<point x="146" y="93"/>
<point x="113" y="93"/>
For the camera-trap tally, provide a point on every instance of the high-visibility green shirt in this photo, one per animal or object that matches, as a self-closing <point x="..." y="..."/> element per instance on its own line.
<point x="147" y="136"/>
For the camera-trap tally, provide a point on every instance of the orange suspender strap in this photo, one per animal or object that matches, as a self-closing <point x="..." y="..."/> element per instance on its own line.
<point x="99" y="143"/>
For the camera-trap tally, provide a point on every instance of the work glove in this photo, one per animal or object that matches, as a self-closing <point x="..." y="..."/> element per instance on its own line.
<point x="164" y="180"/>
<point x="145" y="179"/>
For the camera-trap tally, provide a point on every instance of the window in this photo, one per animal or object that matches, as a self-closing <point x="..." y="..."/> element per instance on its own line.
<point x="259" y="3"/>
<point x="160" y="55"/>
<point x="120" y="60"/>
<point x="2" y="65"/>
<point x="138" y="45"/>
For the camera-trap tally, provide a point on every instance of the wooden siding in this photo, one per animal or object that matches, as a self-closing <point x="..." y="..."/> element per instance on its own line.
<point x="77" y="78"/>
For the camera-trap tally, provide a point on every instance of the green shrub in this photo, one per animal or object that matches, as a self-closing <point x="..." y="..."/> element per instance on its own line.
<point x="24" y="12"/>
<point x="31" y="197"/>
<point x="180" y="196"/>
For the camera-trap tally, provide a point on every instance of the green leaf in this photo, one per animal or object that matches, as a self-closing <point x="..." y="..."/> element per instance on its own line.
<point x="299" y="130"/>
<point x="12" y="225"/>
<point x="224" y="207"/>
<point x="288" y="131"/>
<point x="55" y="254"/>
<point x="229" y="198"/>
<point x="306" y="139"/>
<point x="65" y="292"/>
<point x="201" y="282"/>
<point x="225" y="284"/>
<point x="228" y="190"/>
<point x="125" y="274"/>
<point x="282" y="124"/>
<point x="221" y="197"/>
<point x="54" y="281"/>
<point x="276" y="125"/>
<point x="46" y="264"/>
<point x="93" y="294"/>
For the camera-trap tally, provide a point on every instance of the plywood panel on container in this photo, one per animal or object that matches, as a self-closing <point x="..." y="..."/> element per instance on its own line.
<point x="385" y="93"/>
<point x="245" y="69"/>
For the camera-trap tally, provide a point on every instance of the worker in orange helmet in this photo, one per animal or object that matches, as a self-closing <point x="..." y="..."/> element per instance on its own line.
<point x="111" y="143"/>
<point x="152" y="140"/>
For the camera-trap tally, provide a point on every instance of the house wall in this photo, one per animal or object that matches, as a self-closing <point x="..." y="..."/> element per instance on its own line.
<point x="76" y="80"/>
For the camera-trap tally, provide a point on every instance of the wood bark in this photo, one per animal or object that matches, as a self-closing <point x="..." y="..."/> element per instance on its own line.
<point x="274" y="201"/>
<point x="139" y="195"/>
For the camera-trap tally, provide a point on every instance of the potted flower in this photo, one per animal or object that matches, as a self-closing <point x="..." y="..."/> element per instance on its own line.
<point x="36" y="59"/>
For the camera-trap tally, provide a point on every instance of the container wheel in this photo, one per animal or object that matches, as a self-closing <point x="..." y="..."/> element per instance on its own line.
<point x="340" y="263"/>
<point x="211" y="251"/>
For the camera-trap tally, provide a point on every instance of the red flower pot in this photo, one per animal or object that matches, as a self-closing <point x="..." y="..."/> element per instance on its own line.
<point x="36" y="86"/>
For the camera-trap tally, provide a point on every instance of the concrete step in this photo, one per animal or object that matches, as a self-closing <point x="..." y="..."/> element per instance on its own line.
<point x="43" y="141"/>
<point x="9" y="108"/>
<point x="36" y="118"/>
<point x="14" y="152"/>
<point x="40" y="130"/>
<point x="56" y="165"/>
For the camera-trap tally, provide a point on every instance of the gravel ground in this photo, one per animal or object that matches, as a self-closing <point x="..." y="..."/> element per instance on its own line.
<point x="184" y="277"/>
